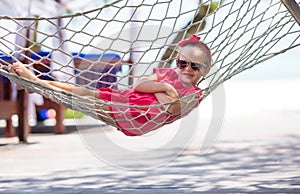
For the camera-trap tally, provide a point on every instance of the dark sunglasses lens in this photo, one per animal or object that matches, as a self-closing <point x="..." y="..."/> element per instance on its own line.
<point x="181" y="64"/>
<point x="195" y="66"/>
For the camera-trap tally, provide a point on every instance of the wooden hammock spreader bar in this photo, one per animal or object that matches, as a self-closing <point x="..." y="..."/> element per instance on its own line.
<point x="293" y="8"/>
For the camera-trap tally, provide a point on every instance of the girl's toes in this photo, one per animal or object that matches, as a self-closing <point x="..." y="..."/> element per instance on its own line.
<point x="19" y="87"/>
<point x="28" y="91"/>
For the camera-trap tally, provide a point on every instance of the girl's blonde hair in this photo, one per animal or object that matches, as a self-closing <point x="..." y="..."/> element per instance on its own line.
<point x="195" y="42"/>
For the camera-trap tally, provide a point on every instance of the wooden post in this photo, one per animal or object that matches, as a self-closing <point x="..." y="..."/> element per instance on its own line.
<point x="24" y="128"/>
<point x="10" y="130"/>
<point x="7" y="108"/>
<point x="59" y="127"/>
<point x="131" y="73"/>
<point x="293" y="8"/>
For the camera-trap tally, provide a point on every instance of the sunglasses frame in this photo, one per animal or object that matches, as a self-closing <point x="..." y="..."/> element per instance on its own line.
<point x="181" y="64"/>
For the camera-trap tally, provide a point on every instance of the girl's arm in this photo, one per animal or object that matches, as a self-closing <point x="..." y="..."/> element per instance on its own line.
<point x="177" y="107"/>
<point x="150" y="85"/>
<point x="164" y="93"/>
<point x="174" y="108"/>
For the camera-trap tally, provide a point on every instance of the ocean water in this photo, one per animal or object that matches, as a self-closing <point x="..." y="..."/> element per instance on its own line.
<point x="282" y="66"/>
<point x="272" y="87"/>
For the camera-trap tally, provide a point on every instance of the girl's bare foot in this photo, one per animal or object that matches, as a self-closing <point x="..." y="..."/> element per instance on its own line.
<point x="21" y="69"/>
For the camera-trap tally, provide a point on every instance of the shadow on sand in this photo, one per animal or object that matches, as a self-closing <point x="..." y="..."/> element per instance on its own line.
<point x="229" y="167"/>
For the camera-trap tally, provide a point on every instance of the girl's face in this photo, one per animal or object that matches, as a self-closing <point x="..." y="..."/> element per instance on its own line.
<point x="192" y="65"/>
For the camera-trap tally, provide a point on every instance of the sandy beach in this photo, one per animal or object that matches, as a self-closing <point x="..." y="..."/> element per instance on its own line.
<point x="255" y="151"/>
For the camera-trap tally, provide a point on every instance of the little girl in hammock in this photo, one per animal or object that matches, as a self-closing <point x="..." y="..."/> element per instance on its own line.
<point x="164" y="86"/>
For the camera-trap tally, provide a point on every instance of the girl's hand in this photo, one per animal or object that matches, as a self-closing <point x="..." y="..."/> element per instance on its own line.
<point x="171" y="91"/>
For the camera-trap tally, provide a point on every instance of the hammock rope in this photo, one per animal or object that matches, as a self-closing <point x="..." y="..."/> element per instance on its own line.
<point x="110" y="46"/>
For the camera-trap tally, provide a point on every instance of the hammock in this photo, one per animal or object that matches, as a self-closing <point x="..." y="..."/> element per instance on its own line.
<point x="121" y="42"/>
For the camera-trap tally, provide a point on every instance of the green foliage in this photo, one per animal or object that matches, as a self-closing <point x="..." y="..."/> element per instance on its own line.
<point x="71" y="114"/>
<point x="214" y="6"/>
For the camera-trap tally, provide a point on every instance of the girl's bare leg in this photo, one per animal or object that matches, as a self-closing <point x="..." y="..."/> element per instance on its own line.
<point x="22" y="70"/>
<point x="102" y="112"/>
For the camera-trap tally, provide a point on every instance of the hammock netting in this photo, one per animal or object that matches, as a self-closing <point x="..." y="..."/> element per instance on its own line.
<point x="121" y="42"/>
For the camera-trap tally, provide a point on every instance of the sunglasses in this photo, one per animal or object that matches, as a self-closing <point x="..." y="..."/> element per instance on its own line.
<point x="181" y="64"/>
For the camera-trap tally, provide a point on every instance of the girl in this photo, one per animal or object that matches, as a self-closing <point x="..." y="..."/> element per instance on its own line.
<point x="164" y="86"/>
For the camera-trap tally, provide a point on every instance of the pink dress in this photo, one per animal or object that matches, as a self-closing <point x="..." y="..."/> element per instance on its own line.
<point x="138" y="121"/>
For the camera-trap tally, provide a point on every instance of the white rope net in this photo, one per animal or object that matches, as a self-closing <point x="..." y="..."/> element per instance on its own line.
<point x="122" y="42"/>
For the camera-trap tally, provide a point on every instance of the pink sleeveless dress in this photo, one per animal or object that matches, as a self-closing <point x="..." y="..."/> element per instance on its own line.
<point x="139" y="121"/>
